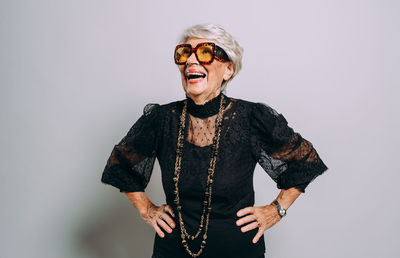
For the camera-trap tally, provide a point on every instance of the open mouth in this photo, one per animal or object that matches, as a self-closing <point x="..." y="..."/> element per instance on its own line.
<point x="195" y="76"/>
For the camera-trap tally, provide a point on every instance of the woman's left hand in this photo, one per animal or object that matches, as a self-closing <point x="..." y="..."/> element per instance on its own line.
<point x="262" y="217"/>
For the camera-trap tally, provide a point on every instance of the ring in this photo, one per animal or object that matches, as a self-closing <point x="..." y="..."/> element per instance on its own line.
<point x="160" y="216"/>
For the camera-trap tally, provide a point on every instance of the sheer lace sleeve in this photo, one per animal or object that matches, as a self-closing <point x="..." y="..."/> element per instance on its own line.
<point x="131" y="161"/>
<point x="288" y="158"/>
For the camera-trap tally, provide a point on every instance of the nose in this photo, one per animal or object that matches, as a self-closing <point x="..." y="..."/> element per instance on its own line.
<point x="192" y="59"/>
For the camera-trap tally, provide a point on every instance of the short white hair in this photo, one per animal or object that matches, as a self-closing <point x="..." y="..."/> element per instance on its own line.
<point x="222" y="38"/>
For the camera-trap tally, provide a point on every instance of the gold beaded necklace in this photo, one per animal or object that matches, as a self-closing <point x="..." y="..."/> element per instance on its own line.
<point x="211" y="169"/>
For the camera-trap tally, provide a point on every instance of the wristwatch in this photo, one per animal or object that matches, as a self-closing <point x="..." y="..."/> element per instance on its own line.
<point x="281" y="211"/>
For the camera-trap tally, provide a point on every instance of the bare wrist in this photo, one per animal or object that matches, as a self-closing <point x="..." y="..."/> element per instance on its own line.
<point x="141" y="202"/>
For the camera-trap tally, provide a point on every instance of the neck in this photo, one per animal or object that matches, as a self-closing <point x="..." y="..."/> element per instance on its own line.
<point x="202" y="99"/>
<point x="209" y="108"/>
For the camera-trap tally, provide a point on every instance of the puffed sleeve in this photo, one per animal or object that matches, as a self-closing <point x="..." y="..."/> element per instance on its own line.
<point x="288" y="158"/>
<point x="130" y="164"/>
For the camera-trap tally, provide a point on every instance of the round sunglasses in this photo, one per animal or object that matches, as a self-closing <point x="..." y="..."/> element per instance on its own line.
<point x="205" y="53"/>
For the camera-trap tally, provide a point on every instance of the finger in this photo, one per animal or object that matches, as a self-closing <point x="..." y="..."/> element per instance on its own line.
<point x="169" y="209"/>
<point x="258" y="235"/>
<point x="247" y="219"/>
<point x="245" y="211"/>
<point x="158" y="230"/>
<point x="169" y="220"/>
<point x="164" y="225"/>
<point x="250" y="226"/>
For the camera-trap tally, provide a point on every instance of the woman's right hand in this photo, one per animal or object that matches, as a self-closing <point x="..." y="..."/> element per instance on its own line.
<point x="159" y="216"/>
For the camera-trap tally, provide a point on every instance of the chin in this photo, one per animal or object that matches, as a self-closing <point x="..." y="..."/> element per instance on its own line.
<point x="195" y="89"/>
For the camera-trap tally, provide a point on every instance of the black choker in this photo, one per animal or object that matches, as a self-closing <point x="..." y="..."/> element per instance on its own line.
<point x="210" y="108"/>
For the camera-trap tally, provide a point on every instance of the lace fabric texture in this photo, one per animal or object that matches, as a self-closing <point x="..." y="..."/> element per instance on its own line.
<point x="201" y="130"/>
<point x="131" y="161"/>
<point x="288" y="158"/>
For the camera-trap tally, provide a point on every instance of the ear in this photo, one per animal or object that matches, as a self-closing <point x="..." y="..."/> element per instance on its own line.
<point x="229" y="71"/>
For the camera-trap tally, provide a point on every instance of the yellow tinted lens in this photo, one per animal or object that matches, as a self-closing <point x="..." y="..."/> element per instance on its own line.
<point x="182" y="54"/>
<point x="205" y="53"/>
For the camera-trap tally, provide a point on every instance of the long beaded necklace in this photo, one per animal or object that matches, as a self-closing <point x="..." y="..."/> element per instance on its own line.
<point x="211" y="169"/>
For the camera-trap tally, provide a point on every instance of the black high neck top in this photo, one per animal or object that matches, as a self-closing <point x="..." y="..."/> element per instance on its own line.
<point x="209" y="108"/>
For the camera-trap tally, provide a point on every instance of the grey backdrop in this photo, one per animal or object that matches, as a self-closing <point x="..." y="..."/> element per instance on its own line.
<point x="75" y="75"/>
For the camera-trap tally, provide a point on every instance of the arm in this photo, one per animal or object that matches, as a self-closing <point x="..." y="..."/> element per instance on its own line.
<point x="290" y="160"/>
<point x="287" y="197"/>
<point x="130" y="166"/>
<point x="140" y="200"/>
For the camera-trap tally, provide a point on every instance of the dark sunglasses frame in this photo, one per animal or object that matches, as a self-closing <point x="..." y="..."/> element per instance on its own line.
<point x="218" y="53"/>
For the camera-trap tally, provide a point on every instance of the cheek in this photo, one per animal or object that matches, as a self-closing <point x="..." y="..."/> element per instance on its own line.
<point x="183" y="80"/>
<point x="182" y="74"/>
<point x="216" y="74"/>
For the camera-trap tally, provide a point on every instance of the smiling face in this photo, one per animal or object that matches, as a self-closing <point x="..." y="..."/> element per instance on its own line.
<point x="203" y="82"/>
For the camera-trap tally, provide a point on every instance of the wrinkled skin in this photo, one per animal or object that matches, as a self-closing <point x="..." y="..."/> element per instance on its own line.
<point x="262" y="217"/>
<point x="152" y="217"/>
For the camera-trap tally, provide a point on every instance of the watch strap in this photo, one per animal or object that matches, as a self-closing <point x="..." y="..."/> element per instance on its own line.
<point x="281" y="211"/>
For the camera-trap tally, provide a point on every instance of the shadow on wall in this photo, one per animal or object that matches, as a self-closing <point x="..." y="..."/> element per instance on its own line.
<point x="117" y="231"/>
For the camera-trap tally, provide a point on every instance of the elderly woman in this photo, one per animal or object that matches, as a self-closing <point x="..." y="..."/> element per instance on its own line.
<point x="208" y="145"/>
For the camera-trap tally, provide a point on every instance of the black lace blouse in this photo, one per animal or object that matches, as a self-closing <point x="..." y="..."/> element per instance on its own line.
<point x="251" y="133"/>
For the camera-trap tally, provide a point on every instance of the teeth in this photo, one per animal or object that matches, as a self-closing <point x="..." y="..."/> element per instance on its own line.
<point x="199" y="74"/>
<point x="195" y="75"/>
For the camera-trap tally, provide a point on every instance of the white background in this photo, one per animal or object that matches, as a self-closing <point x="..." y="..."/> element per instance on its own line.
<point x="75" y="75"/>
